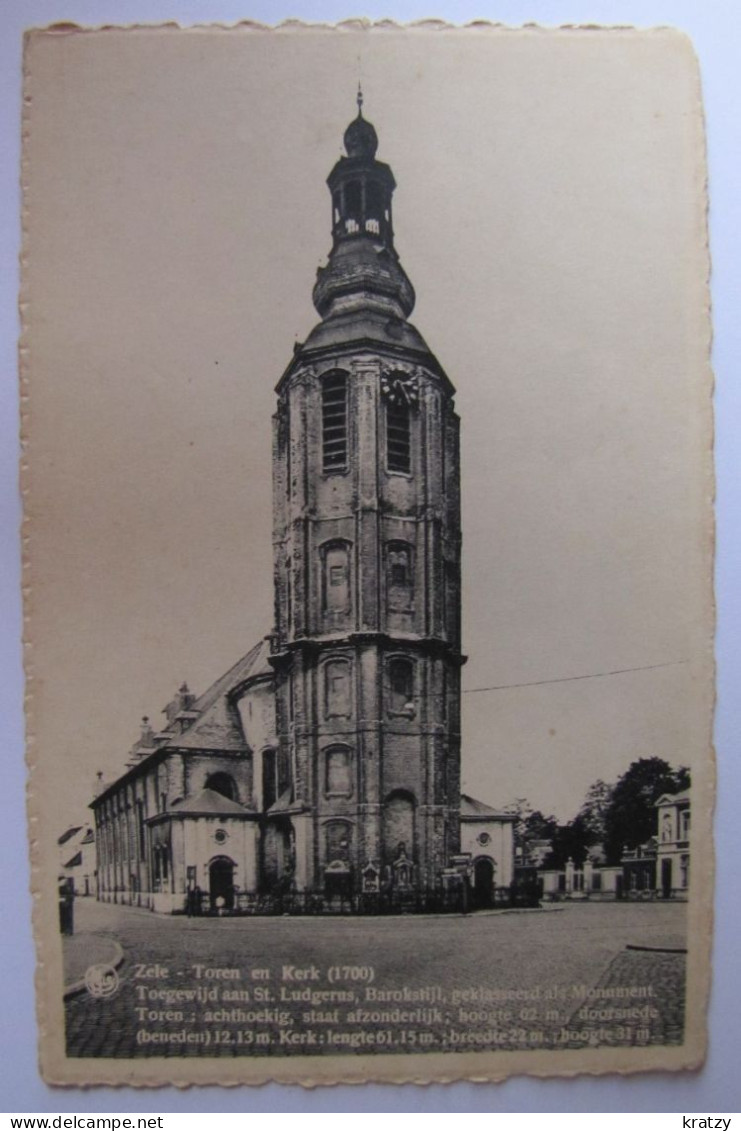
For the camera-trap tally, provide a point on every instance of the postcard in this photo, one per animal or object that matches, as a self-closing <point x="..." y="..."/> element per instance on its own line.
<point x="367" y="434"/>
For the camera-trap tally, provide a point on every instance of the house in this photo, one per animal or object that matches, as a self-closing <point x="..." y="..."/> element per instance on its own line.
<point x="77" y="859"/>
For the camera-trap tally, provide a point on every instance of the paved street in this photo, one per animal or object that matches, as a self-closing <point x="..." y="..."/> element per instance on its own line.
<point x="506" y="979"/>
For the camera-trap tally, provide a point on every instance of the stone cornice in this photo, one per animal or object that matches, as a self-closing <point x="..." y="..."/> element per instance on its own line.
<point x="308" y="358"/>
<point x="427" y="645"/>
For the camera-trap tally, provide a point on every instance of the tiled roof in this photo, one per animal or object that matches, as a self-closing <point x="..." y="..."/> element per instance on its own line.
<point x="470" y="807"/>
<point x="218" y="725"/>
<point x="672" y="798"/>
<point x="209" y="803"/>
<point x="69" y="834"/>
<point x="284" y="804"/>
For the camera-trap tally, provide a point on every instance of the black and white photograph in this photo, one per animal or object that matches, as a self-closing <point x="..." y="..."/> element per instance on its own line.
<point x="368" y="546"/>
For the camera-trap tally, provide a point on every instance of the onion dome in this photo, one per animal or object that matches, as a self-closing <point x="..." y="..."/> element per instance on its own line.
<point x="361" y="139"/>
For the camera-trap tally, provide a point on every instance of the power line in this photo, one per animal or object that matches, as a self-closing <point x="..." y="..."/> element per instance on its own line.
<point x="571" y="678"/>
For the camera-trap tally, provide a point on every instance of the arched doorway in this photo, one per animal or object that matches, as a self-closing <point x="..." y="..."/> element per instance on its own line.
<point x="483" y="882"/>
<point x="337" y="859"/>
<point x="221" y="883"/>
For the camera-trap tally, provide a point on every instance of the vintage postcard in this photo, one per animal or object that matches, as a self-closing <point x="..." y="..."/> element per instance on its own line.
<point x="368" y="552"/>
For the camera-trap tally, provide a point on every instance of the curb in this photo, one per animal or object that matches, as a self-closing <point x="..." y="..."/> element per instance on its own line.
<point x="657" y="949"/>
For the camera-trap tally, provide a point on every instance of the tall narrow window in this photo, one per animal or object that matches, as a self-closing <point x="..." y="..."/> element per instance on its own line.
<point x="339" y="778"/>
<point x="353" y="199"/>
<point x="282" y="772"/>
<point x="401" y="686"/>
<point x="374" y="201"/>
<point x="269" y="779"/>
<point x="334" y="422"/>
<point x="336" y="582"/>
<point x="399" y="581"/>
<point x="338" y="838"/>
<point x="141" y="829"/>
<point x="337" y="689"/>
<point x="398" y="437"/>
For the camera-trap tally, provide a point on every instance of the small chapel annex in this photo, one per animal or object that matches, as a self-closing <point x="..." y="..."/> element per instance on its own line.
<point x="323" y="770"/>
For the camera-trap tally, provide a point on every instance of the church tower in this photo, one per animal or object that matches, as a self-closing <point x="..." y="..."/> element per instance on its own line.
<point x="366" y="647"/>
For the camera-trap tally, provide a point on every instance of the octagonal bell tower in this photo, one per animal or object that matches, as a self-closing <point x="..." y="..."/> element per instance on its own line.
<point x="367" y="637"/>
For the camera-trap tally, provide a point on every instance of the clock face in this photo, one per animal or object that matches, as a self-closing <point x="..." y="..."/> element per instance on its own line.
<point x="399" y="386"/>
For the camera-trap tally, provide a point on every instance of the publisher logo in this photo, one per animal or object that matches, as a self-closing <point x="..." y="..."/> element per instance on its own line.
<point x="101" y="980"/>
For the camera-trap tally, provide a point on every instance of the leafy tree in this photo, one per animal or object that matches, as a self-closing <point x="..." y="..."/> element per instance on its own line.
<point x="531" y="824"/>
<point x="594" y="809"/>
<point x="571" y="841"/>
<point x="630" y="816"/>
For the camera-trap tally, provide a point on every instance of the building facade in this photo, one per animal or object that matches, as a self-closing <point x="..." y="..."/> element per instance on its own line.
<point x="326" y="764"/>
<point x="659" y="868"/>
<point x="77" y="859"/>
<point x="487" y="842"/>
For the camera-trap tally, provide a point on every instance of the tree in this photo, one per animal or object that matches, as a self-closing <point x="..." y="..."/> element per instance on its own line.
<point x="571" y="842"/>
<point x="630" y="816"/>
<point x="530" y="825"/>
<point x="594" y="809"/>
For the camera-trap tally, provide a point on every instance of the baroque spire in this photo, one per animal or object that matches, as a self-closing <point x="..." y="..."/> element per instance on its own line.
<point x="363" y="270"/>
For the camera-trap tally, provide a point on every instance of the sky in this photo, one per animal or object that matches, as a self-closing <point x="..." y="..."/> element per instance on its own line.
<point x="549" y="213"/>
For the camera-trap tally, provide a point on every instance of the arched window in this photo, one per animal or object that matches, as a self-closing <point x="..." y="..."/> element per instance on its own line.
<point x="223" y="784"/>
<point x="337" y="841"/>
<point x="337" y="700"/>
<point x="399" y="577"/>
<point x="398" y="831"/>
<point x="401" y="686"/>
<point x="338" y="781"/>
<point x="374" y="201"/>
<point x="276" y="778"/>
<point x="336" y="581"/>
<point x="353" y="199"/>
<point x="334" y="421"/>
<point x="398" y="437"/>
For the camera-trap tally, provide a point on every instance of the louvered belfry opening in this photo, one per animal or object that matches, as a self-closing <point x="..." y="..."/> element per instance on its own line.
<point x="398" y="438"/>
<point x="334" y="422"/>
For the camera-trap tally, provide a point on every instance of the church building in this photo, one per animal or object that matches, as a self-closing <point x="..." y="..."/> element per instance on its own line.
<point x="324" y="768"/>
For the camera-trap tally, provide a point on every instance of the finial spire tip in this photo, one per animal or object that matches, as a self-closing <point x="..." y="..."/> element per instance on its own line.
<point x="360" y="100"/>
